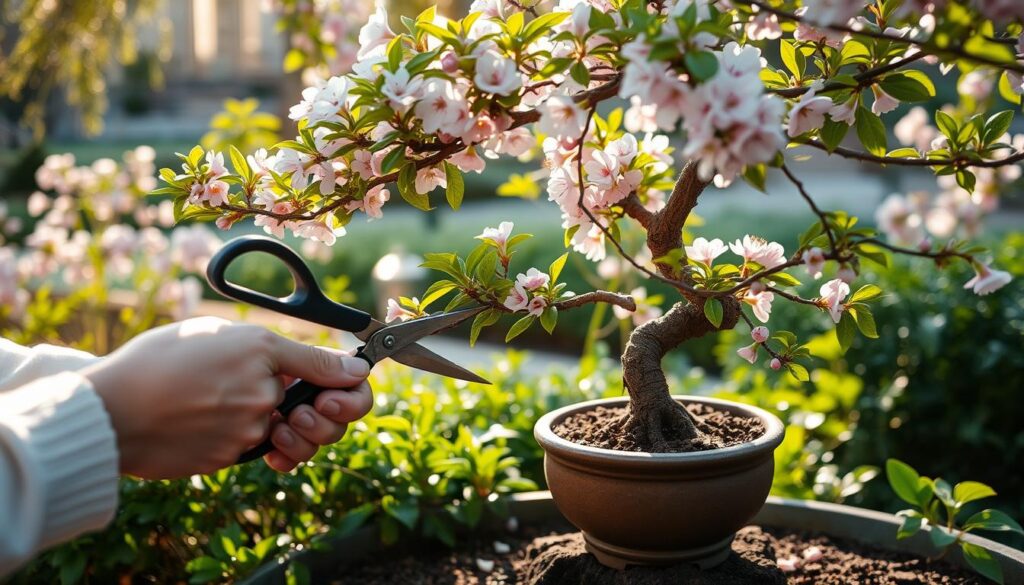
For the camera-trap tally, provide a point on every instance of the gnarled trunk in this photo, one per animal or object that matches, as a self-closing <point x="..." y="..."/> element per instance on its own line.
<point x="655" y="422"/>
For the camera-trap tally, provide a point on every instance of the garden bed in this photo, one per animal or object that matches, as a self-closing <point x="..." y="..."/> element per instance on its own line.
<point x="856" y="546"/>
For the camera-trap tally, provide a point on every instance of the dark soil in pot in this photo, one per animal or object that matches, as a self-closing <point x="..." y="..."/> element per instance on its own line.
<point x="719" y="428"/>
<point x="555" y="556"/>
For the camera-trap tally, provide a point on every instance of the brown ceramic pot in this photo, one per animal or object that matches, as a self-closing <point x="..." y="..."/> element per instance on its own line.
<point x="659" y="508"/>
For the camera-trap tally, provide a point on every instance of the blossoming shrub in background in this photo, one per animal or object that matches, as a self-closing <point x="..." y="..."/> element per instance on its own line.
<point x="57" y="284"/>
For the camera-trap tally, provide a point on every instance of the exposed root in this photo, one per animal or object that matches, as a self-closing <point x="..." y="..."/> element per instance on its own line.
<point x="655" y="421"/>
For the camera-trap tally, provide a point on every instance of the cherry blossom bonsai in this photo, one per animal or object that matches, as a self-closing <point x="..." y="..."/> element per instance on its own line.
<point x="738" y="81"/>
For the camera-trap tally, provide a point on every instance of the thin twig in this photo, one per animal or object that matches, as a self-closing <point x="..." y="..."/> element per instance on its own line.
<point x="959" y="162"/>
<point x="814" y="206"/>
<point x="863" y="78"/>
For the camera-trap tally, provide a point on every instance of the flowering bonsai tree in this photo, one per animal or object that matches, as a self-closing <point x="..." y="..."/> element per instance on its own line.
<point x="735" y="81"/>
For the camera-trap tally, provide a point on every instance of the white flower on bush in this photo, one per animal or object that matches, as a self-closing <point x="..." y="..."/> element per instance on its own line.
<point x="756" y="249"/>
<point x="396" y="312"/>
<point x="497" y="74"/>
<point x="705" y="251"/>
<point x="900" y="221"/>
<point x="987" y="280"/>
<point x="533" y="279"/>
<point x="760" y="301"/>
<point x="192" y="247"/>
<point x="914" y="129"/>
<point x="560" y="116"/>
<point x="814" y="261"/>
<point x="809" y="113"/>
<point x="536" y="306"/>
<point x="372" y="203"/>
<point x="833" y="293"/>
<point x="884" y="103"/>
<point x="401" y="89"/>
<point x="499" y="236"/>
<point x="376" y="32"/>
<point x="749" y="352"/>
<point x="442" y="108"/>
<point x="517" y="299"/>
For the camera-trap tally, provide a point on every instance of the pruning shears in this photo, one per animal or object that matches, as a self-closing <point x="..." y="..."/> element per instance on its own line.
<point x="308" y="302"/>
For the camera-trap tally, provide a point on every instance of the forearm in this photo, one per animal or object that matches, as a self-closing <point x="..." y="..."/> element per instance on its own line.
<point x="58" y="466"/>
<point x="20" y="365"/>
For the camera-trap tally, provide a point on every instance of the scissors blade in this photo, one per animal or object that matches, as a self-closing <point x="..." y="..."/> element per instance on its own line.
<point x="421" y="358"/>
<point x="410" y="332"/>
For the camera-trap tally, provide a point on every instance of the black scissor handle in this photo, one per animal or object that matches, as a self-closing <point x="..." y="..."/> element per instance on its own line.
<point x="306" y="302"/>
<point x="300" y="392"/>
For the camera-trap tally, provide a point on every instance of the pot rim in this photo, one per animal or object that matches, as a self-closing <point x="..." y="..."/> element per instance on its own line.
<point x="564" y="449"/>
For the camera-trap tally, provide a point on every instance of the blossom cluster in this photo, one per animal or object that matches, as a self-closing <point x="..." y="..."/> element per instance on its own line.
<point x="82" y="236"/>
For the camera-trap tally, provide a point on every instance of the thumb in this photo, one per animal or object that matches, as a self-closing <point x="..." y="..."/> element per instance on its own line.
<point x="323" y="366"/>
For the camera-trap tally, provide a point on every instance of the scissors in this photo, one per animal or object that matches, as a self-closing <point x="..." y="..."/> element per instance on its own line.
<point x="308" y="302"/>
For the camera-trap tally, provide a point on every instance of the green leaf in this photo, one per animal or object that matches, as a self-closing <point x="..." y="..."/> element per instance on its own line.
<point x="832" y="133"/>
<point x="966" y="179"/>
<point x="519" y="326"/>
<point x="846" y="330"/>
<point x="798" y="371"/>
<point x="456" y="185"/>
<point x="969" y="491"/>
<point x="756" y="176"/>
<point x="353" y="519"/>
<point x="238" y="161"/>
<point x="866" y="293"/>
<point x="784" y="279"/>
<point x="871" y="131"/>
<point x="910" y="525"/>
<point x="865" y="321"/>
<point x="549" y="318"/>
<point x="293" y="61"/>
<point x="71" y="570"/>
<point x="580" y="74"/>
<point x="195" y="155"/>
<point x="982" y="561"/>
<point x="903" y="480"/>
<point x="702" y="65"/>
<point x="1006" y="89"/>
<point x="996" y="126"/>
<point x="940" y="537"/>
<point x="908" y="88"/>
<point x="405" y="511"/>
<point x="556" y="267"/>
<point x="484" y="319"/>
<point x="713" y="311"/>
<point x="792" y="58"/>
<point x="947" y="124"/>
<point x="992" y="520"/>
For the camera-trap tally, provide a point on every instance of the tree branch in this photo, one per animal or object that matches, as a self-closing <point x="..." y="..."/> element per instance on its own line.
<point x="959" y="52"/>
<point x="814" y="206"/>
<point x="665" y="232"/>
<point x="960" y="162"/>
<point x="864" y="78"/>
<point x="598" y="296"/>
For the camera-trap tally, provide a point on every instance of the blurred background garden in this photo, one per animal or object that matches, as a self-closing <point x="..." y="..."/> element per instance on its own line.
<point x="95" y="96"/>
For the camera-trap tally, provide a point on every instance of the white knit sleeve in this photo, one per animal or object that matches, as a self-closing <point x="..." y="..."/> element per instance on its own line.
<point x="58" y="465"/>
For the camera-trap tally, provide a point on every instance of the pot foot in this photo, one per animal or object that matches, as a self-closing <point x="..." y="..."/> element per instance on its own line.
<point x="618" y="557"/>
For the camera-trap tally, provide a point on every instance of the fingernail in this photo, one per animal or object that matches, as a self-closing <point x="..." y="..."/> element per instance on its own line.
<point x="331" y="408"/>
<point x="355" y="366"/>
<point x="285" y="438"/>
<point x="304" y="420"/>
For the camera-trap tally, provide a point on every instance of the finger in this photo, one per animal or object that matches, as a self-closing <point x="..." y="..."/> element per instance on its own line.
<point x="315" y="427"/>
<point x="345" y="406"/>
<point x="291" y="444"/>
<point x="322" y="366"/>
<point x="278" y="461"/>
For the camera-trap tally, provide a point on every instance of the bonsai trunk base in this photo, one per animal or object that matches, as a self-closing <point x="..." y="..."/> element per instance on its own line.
<point x="619" y="557"/>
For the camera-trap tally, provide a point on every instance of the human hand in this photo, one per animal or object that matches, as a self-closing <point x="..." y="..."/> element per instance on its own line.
<point x="190" y="397"/>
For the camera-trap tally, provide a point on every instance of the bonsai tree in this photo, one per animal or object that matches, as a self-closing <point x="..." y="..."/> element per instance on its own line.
<point x="737" y="82"/>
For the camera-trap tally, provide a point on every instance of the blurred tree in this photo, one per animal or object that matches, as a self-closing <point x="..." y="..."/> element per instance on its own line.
<point x="243" y="126"/>
<point x="70" y="44"/>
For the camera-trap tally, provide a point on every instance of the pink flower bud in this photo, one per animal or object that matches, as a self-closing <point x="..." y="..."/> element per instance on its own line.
<point x="759" y="333"/>
<point x="775" y="364"/>
<point x="757" y="287"/>
<point x="846" y="274"/>
<point x="925" y="244"/>
<point x="449" y="62"/>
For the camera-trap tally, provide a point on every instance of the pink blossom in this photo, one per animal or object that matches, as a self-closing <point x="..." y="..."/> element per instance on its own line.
<point x="401" y="89"/>
<point x="193" y="246"/>
<point x="449" y="62"/>
<point x="760" y="303"/>
<point x="430" y="178"/>
<point x="497" y="74"/>
<point x="215" y="160"/>
<point x="987" y="280"/>
<point x="775" y="364"/>
<point x="441" y="108"/>
<point x="181" y="297"/>
<point x="976" y="84"/>
<point x="845" y="112"/>
<point x="294" y="162"/>
<point x="755" y="249"/>
<point x="833" y="293"/>
<point x="321" y="230"/>
<point x="825" y="12"/>
<point x="214" y="194"/>
<point x="814" y="259"/>
<point x="623" y="149"/>
<point x="498" y="236"/>
<point x="560" y="116"/>
<point x="517" y="298"/>
<point x="38" y="203"/>
<point x="397" y="312"/>
<point x="763" y="26"/>
<point x="590" y="243"/>
<point x="375" y="33"/>
<point x="479" y="129"/>
<point x="899" y="219"/>
<point x="468" y="161"/>
<point x="602" y="169"/>
<point x="884" y="102"/>
<point x="645" y="310"/>
<point x="704" y="251"/>
<point x="537" y="306"/>
<point x="372" y="203"/>
<point x="914" y="129"/>
<point x="809" y="113"/>
<point x="533" y="279"/>
<point x="759" y="334"/>
<point x="749" y="352"/>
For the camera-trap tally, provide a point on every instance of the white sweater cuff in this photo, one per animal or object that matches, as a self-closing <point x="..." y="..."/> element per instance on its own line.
<point x="68" y="432"/>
